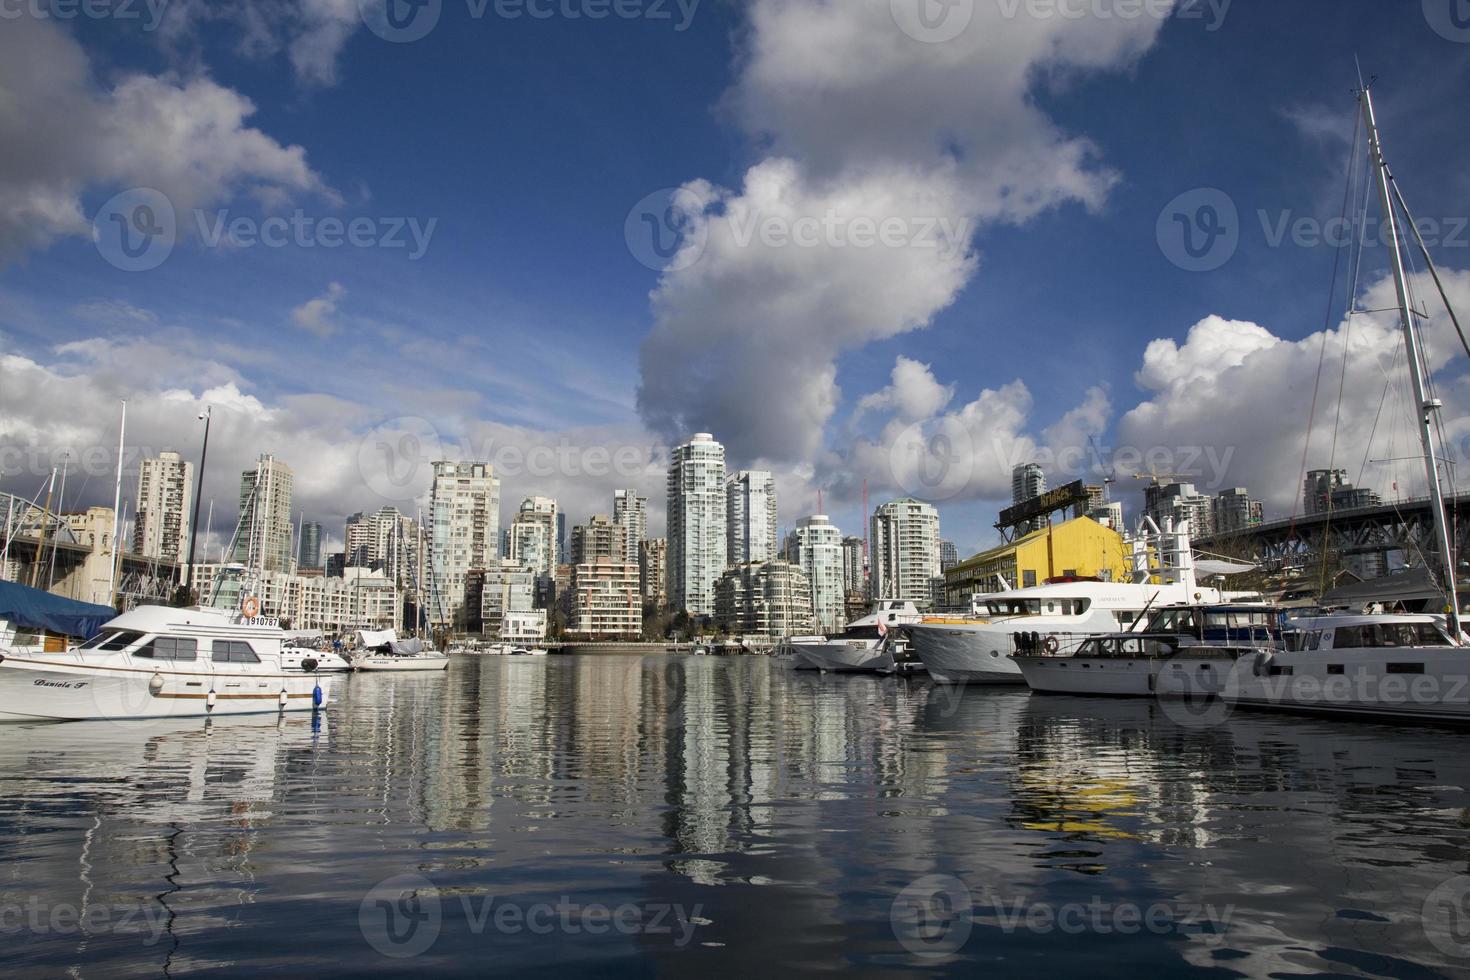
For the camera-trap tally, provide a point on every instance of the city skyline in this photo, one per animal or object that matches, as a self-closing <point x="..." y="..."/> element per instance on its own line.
<point x="1153" y="356"/>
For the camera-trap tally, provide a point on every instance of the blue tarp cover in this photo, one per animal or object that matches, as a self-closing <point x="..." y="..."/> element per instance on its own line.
<point x="33" y="609"/>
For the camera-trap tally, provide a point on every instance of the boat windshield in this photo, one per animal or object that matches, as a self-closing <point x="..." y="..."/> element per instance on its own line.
<point x="859" y="633"/>
<point x="111" y="640"/>
<point x="1131" y="647"/>
<point x="1226" y="620"/>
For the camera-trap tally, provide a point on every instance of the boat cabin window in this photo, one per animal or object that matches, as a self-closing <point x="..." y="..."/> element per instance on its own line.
<point x="233" y="652"/>
<point x="112" y="640"/>
<point x="1129" y="647"/>
<point x="1238" y="619"/>
<point x="170" y="648"/>
<point x="1174" y="621"/>
<point x="1389" y="635"/>
<point x="1304" y="640"/>
<point x="1014" y="607"/>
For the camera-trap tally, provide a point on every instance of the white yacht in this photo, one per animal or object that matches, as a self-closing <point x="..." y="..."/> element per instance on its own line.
<point x="160" y="662"/>
<point x="867" y="645"/>
<point x="299" y="657"/>
<point x="1186" y="651"/>
<point x="1386" y="666"/>
<point x="380" y="651"/>
<point x="1063" y="613"/>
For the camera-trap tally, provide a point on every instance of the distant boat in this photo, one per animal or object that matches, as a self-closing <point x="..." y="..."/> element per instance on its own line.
<point x="382" y="652"/>
<point x="867" y="645"/>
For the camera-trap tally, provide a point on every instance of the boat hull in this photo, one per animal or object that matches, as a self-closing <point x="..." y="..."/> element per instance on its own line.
<point x="965" y="654"/>
<point x="1429" y="684"/>
<point x="845" y="657"/>
<point x="1174" y="677"/>
<point x="40" y="690"/>
<point x="381" y="665"/>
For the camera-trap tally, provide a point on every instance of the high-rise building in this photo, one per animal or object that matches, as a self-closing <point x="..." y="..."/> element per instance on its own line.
<point x="165" y="494"/>
<point x="1236" y="511"/>
<point x="630" y="512"/>
<point x="905" y="551"/>
<point x="769" y="599"/>
<point x="653" y="570"/>
<point x="819" y="555"/>
<point x="264" y="542"/>
<point x="508" y="601"/>
<point x="534" y="537"/>
<point x="854" y="572"/>
<point x="384" y="541"/>
<point x="1330" y="490"/>
<point x="607" y="604"/>
<point x="1180" y="502"/>
<point x="750" y="514"/>
<point x="949" y="555"/>
<point x="309" y="553"/>
<point x="600" y="537"/>
<point x="464" y="504"/>
<point x="1028" y="481"/>
<point x="696" y="523"/>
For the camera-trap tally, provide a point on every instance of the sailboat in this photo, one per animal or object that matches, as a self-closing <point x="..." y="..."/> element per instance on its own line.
<point x="1393" y="667"/>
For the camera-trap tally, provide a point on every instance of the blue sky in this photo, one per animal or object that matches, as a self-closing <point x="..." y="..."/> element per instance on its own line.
<point x="526" y="143"/>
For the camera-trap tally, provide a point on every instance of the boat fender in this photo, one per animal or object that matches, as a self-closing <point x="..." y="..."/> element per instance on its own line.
<point x="155" y="685"/>
<point x="309" y="665"/>
<point x="210" y="700"/>
<point x="2" y="658"/>
<point x="285" y="699"/>
<point x="317" y="697"/>
<point x="1258" y="666"/>
<point x="1051" y="645"/>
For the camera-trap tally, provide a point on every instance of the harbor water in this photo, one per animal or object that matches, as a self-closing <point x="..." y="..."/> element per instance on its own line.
<point x="644" y="816"/>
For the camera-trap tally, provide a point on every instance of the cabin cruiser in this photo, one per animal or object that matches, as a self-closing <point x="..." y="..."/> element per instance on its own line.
<point x="1063" y="611"/>
<point x="381" y="651"/>
<point x="296" y="655"/>
<point x="160" y="662"/>
<point x="514" y="650"/>
<point x="1184" y="651"/>
<point x="1383" y="666"/>
<point x="867" y="645"/>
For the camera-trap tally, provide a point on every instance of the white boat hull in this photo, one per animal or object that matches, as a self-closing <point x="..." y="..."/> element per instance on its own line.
<point x="957" y="654"/>
<point x="845" y="656"/>
<point x="1428" y="683"/>
<point x="38" y="689"/>
<point x="1180" y="677"/>
<point x="389" y="664"/>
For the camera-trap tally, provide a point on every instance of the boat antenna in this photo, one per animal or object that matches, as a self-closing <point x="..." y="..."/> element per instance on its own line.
<point x="1428" y="407"/>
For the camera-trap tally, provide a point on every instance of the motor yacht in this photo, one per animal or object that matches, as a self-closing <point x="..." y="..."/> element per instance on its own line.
<point x="160" y="662"/>
<point x="867" y="645"/>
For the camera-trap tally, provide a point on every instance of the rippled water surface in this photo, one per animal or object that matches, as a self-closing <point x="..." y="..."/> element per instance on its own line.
<point x="625" y="816"/>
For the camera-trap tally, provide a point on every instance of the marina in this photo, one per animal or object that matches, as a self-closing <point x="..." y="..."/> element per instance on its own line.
<point x="765" y="815"/>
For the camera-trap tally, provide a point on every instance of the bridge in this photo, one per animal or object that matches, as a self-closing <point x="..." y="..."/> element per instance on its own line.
<point x="1401" y="526"/>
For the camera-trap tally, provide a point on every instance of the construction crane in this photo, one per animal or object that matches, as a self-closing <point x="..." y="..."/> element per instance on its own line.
<point x="1110" y="473"/>
<point x="1160" y="479"/>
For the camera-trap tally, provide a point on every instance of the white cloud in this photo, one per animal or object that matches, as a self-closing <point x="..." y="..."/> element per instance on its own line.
<point x="311" y="33"/>
<point x="1236" y="392"/>
<point x="317" y="315"/>
<point x="914" y="394"/>
<point x="64" y="135"/>
<point x="863" y="124"/>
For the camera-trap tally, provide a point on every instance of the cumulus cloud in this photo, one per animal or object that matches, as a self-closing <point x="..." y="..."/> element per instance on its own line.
<point x="1235" y="393"/>
<point x="866" y="127"/>
<point x="65" y="135"/>
<point x="317" y="316"/>
<point x="914" y="394"/>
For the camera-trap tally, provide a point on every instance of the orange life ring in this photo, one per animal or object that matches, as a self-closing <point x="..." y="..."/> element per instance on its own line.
<point x="1051" y="645"/>
<point x="250" y="607"/>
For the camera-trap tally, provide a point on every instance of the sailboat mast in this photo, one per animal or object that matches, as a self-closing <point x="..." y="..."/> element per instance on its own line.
<point x="122" y="431"/>
<point x="1428" y="406"/>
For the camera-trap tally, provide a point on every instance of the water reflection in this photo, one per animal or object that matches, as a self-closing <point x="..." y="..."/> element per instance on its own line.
<point x="788" y="809"/>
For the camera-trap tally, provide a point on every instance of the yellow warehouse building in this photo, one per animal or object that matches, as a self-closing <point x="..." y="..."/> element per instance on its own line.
<point x="1080" y="548"/>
